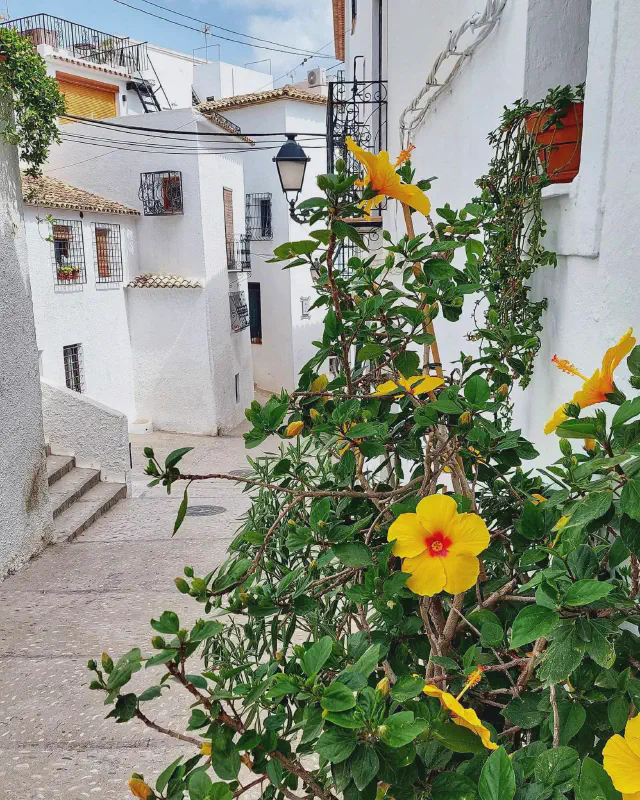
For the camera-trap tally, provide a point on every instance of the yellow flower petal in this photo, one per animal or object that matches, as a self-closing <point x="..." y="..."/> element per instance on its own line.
<point x="386" y="388"/>
<point x="632" y="736"/>
<point x="319" y="384"/>
<point x="622" y="765"/>
<point x="205" y="750"/>
<point x="421" y="384"/>
<point x="408" y="534"/>
<point x="465" y="717"/>
<point x="427" y="574"/>
<point x="538" y="498"/>
<point x="461" y="570"/>
<point x="294" y="428"/>
<point x="557" y="419"/>
<point x="437" y="512"/>
<point x="469" y="535"/>
<point x="140" y="789"/>
<point x="615" y="354"/>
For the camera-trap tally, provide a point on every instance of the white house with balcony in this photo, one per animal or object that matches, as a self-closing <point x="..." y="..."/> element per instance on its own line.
<point x="526" y="47"/>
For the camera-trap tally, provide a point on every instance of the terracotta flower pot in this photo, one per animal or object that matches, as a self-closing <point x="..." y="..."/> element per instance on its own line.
<point x="559" y="147"/>
<point x="68" y="276"/>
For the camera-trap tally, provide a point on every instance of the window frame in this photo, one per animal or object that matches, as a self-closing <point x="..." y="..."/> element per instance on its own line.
<point x="70" y="249"/>
<point x="111" y="252"/>
<point x="73" y="360"/>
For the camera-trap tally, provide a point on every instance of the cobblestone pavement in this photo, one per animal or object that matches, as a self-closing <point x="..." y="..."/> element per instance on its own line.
<point x="98" y="593"/>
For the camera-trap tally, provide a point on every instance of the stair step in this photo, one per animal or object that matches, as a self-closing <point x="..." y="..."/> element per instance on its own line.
<point x="57" y="466"/>
<point x="85" y="510"/>
<point x="71" y="487"/>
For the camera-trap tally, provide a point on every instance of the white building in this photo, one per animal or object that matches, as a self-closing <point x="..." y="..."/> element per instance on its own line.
<point x="283" y="325"/>
<point x="154" y="297"/>
<point x="535" y="45"/>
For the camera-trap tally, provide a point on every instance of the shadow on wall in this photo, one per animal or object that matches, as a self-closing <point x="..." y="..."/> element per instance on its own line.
<point x="25" y="514"/>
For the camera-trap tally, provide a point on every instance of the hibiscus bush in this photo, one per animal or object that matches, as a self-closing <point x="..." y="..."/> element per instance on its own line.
<point x="409" y="610"/>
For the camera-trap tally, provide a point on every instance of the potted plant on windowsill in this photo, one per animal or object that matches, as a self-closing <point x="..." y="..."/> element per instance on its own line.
<point x="67" y="273"/>
<point x="557" y="129"/>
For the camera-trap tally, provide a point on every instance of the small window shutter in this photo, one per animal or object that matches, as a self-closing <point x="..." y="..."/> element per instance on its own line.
<point x="102" y="252"/>
<point x="62" y="233"/>
<point x="170" y="192"/>
<point x="255" y="313"/>
<point x="227" y="199"/>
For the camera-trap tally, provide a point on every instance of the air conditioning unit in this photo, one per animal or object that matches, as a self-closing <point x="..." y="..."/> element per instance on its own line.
<point x="317" y="77"/>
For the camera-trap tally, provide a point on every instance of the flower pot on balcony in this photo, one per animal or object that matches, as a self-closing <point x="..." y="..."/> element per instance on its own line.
<point x="560" y="144"/>
<point x="68" y="274"/>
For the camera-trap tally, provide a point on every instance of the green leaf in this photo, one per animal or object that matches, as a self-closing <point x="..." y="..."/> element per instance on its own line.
<point x="584" y="428"/>
<point x="150" y="694"/>
<point x="523" y="711"/>
<point x="477" y="390"/>
<point x="558" y="768"/>
<point x="182" y="511"/>
<point x="364" y="765"/>
<point x="205" y="630"/>
<point x="453" y="786"/>
<point x="630" y="532"/>
<point x="165" y="775"/>
<point x="316" y="656"/>
<point x="497" y="779"/>
<point x="618" y="712"/>
<point x="353" y="554"/>
<point x="172" y="459"/>
<point x="628" y="410"/>
<point x="532" y="521"/>
<point x="367" y="662"/>
<point x="337" y="697"/>
<point x="447" y="402"/>
<point x="564" y="654"/>
<point x="595" y="506"/>
<point x="532" y="623"/>
<point x="320" y="510"/>
<point x="168" y="623"/>
<point x="633" y="361"/>
<point x="199" y="785"/>
<point x="595" y="783"/>
<point x="630" y="498"/>
<point x="407" y="363"/>
<point x="369" y="352"/>
<point x="572" y="718"/>
<point x="336" y="744"/>
<point x="400" y="729"/>
<point x="406" y="688"/>
<point x="459" y="739"/>
<point x="581" y="593"/>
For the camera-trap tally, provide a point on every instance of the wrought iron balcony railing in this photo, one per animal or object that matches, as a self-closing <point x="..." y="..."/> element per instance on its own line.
<point x="239" y="311"/>
<point x="239" y="253"/>
<point x="81" y="42"/>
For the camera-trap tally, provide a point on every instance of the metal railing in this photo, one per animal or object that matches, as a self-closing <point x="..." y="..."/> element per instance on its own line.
<point x="239" y="253"/>
<point x="81" y="42"/>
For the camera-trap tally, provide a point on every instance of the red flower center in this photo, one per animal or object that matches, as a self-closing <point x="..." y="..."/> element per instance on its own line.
<point x="438" y="544"/>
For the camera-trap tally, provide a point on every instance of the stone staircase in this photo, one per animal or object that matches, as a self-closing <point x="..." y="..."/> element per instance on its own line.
<point x="78" y="496"/>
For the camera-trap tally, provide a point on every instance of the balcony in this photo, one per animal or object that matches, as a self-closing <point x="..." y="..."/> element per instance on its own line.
<point x="81" y="42"/>
<point x="161" y="193"/>
<point x="239" y="254"/>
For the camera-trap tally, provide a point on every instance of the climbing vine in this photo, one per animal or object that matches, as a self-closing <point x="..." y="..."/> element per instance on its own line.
<point x="29" y="119"/>
<point x="511" y="202"/>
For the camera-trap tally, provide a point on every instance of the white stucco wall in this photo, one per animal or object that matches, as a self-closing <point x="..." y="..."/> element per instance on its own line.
<point x="219" y="79"/>
<point x="286" y="337"/>
<point x="91" y="314"/>
<point x="25" y="513"/>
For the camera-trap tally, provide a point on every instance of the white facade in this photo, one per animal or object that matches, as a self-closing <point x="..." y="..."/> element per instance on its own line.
<point x="537" y="45"/>
<point x="169" y="356"/>
<point x="287" y="333"/>
<point x="25" y="513"/>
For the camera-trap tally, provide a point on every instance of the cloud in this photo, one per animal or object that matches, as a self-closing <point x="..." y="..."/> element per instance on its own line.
<point x="303" y="25"/>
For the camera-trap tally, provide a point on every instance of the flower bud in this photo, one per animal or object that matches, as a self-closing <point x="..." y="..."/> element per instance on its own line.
<point x="158" y="642"/>
<point x="503" y="390"/>
<point x="315" y="414"/>
<point x="181" y="585"/>
<point x="140" y="789"/>
<point x="279" y="656"/>
<point x="590" y="445"/>
<point x="384" y="686"/>
<point x="188" y="571"/>
<point x="107" y="663"/>
<point x="565" y="447"/>
<point x="205" y="750"/>
<point x="319" y="384"/>
<point x="244" y="596"/>
<point x="91" y="664"/>
<point x="465" y="418"/>
<point x="294" y="428"/>
<point x="199" y="585"/>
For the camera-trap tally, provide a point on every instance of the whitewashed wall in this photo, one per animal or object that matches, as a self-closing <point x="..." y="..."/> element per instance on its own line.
<point x="537" y="45"/>
<point x="92" y="314"/>
<point x="220" y="79"/>
<point x="25" y="513"/>
<point x="286" y="337"/>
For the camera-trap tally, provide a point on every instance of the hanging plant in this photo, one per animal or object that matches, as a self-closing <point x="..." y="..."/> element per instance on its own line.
<point x="33" y="101"/>
<point x="511" y="201"/>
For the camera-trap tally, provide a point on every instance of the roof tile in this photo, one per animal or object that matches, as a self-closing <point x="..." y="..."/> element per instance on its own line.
<point x="52" y="193"/>
<point x="157" y="281"/>
<point x="286" y="92"/>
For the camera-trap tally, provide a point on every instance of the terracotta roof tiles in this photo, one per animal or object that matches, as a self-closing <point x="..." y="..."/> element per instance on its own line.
<point x="286" y="92"/>
<point x="156" y="281"/>
<point x="52" y="193"/>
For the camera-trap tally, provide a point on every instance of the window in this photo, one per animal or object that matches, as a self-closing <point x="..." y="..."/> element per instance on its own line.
<point x="107" y="252"/>
<point x="255" y="313"/>
<point x="239" y="311"/>
<point x="68" y="252"/>
<point x="258" y="216"/>
<point x="237" y="386"/>
<point x="334" y="366"/>
<point x="161" y="193"/>
<point x="305" y="302"/>
<point x="73" y="367"/>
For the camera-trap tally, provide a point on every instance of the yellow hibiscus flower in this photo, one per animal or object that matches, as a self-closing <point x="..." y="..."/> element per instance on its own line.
<point x="140" y="789"/>
<point x="439" y="546"/>
<point x="621" y="760"/>
<point x="415" y="385"/>
<point x="294" y="428"/>
<point x="465" y="717"/>
<point x="381" y="176"/>
<point x="596" y="388"/>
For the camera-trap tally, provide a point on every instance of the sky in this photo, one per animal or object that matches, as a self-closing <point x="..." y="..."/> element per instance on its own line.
<point x="301" y="24"/>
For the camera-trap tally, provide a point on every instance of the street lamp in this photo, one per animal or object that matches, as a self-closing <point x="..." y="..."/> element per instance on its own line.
<point x="291" y="162"/>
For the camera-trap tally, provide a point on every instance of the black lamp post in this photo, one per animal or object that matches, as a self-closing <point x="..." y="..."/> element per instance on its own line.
<point x="291" y="162"/>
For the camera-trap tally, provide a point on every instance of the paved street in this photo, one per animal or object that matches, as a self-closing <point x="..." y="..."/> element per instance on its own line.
<point x="98" y="593"/>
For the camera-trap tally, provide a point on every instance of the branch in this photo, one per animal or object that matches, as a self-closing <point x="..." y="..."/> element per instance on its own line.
<point x="556" y="716"/>
<point x="173" y="734"/>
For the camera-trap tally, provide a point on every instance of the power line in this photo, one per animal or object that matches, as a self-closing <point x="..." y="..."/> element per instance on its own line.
<point x="304" y="61"/>
<point x="215" y="35"/>
<point x="227" y="30"/>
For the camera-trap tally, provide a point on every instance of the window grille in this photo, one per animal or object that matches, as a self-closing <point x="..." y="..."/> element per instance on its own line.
<point x="345" y="251"/>
<point x="255" y="312"/>
<point x="107" y="251"/>
<point x="161" y="193"/>
<point x="73" y="367"/>
<point x="305" y="302"/>
<point x="239" y="253"/>
<point x="258" y="217"/>
<point x="67" y="252"/>
<point x="334" y="366"/>
<point x="239" y="311"/>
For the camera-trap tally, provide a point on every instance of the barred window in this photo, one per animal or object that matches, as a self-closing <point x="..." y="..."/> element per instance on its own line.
<point x="239" y="311"/>
<point x="73" y="367"/>
<point x="161" y="193"/>
<point x="107" y="251"/>
<point x="67" y="252"/>
<point x="258" y="216"/>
